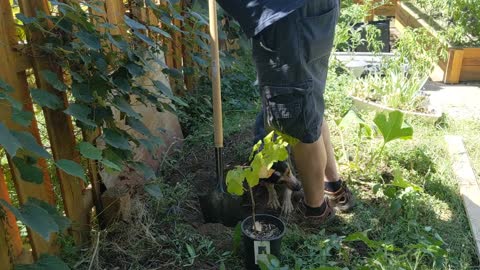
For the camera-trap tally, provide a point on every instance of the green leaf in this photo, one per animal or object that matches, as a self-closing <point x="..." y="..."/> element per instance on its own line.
<point x="362" y="236"/>
<point x="46" y="262"/>
<point x="393" y="127"/>
<point x="90" y="40"/>
<point x="30" y="144"/>
<point x="133" y="23"/>
<point x="199" y="17"/>
<point x="399" y="181"/>
<point x="234" y="181"/>
<point x="21" y="117"/>
<point x="124" y="106"/>
<point x="154" y="190"/>
<point x="138" y="126"/>
<point x="116" y="139"/>
<point x="89" y="151"/>
<point x="200" y="61"/>
<point x="81" y="113"/>
<point x="71" y="167"/>
<point x="5" y="86"/>
<point x="160" y="31"/>
<point x="62" y="222"/>
<point x="24" y="19"/>
<point x="52" y="78"/>
<point x="29" y="171"/>
<point x="82" y="92"/>
<point x="134" y="69"/>
<point x="146" y="170"/>
<point x="111" y="165"/>
<point x="8" y="141"/>
<point x="163" y="88"/>
<point x="35" y="217"/>
<point x="46" y="99"/>
<point x="144" y="38"/>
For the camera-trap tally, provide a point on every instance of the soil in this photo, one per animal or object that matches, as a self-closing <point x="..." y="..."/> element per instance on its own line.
<point x="267" y="231"/>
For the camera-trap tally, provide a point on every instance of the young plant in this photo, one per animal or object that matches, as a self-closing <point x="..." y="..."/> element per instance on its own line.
<point x="264" y="154"/>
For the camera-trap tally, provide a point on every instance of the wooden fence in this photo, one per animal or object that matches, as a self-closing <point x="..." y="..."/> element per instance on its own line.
<point x="78" y="199"/>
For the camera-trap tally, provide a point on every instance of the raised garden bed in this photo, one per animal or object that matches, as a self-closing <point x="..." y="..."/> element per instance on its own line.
<point x="462" y="64"/>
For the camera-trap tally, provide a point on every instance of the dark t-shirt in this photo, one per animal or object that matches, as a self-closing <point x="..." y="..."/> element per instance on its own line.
<point x="256" y="15"/>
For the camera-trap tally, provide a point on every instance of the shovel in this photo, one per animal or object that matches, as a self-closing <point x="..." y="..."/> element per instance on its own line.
<point x="218" y="206"/>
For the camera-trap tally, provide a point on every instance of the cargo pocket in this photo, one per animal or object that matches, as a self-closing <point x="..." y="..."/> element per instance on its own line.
<point x="285" y="108"/>
<point x="317" y="34"/>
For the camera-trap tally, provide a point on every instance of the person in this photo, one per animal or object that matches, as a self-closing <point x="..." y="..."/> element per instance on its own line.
<point x="291" y="45"/>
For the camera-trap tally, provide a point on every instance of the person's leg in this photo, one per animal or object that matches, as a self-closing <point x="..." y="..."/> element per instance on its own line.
<point x="331" y="171"/>
<point x="310" y="160"/>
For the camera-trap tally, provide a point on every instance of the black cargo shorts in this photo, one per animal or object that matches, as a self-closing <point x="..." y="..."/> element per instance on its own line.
<point x="291" y="58"/>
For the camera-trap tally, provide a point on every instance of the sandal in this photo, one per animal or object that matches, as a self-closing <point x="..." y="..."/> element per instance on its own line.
<point x="342" y="199"/>
<point x="321" y="220"/>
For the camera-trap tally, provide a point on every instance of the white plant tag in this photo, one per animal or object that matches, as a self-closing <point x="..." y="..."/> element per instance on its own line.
<point x="261" y="249"/>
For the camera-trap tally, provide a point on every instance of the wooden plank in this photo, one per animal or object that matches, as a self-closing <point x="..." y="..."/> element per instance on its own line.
<point x="470" y="73"/>
<point x="60" y="132"/>
<point x="471" y="53"/>
<point x="467" y="182"/>
<point x="10" y="222"/>
<point x="94" y="176"/>
<point x="22" y="62"/>
<point x="454" y="66"/>
<point x="115" y="12"/>
<point x="189" y="80"/>
<point x="5" y="258"/>
<point x="24" y="189"/>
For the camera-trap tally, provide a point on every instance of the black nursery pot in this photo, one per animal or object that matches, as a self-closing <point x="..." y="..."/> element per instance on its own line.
<point x="255" y="248"/>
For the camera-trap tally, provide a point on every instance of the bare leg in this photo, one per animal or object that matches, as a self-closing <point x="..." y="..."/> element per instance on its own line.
<point x="311" y="162"/>
<point x="331" y="172"/>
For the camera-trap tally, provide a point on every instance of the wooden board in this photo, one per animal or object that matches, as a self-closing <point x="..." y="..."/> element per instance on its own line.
<point x="5" y="260"/>
<point x="454" y="66"/>
<point x="467" y="182"/>
<point x="10" y="222"/>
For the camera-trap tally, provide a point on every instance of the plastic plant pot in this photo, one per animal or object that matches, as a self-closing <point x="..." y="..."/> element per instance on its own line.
<point x="256" y="248"/>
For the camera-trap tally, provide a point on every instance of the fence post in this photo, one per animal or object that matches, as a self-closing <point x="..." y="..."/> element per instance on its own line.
<point x="60" y="132"/>
<point x="8" y="73"/>
<point x="5" y="260"/>
<point x="10" y="223"/>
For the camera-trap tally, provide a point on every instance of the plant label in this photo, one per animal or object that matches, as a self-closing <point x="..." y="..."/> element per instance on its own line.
<point x="261" y="249"/>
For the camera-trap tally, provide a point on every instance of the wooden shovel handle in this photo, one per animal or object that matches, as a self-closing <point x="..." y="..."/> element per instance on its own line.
<point x="215" y="69"/>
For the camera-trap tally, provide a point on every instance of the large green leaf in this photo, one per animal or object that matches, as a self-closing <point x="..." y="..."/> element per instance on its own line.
<point x="90" y="40"/>
<point x="234" y="181"/>
<point x="89" y="151"/>
<point x="46" y="99"/>
<point x="62" y="222"/>
<point x="81" y="113"/>
<point x="399" y="181"/>
<point x="71" y="167"/>
<point x="46" y="262"/>
<point x="144" y="38"/>
<point x="154" y="190"/>
<point x="133" y="23"/>
<point x="29" y="171"/>
<point x="82" y="92"/>
<point x="34" y="217"/>
<point x="52" y="78"/>
<point x="21" y="117"/>
<point x="393" y="127"/>
<point x="160" y="31"/>
<point x="116" y="139"/>
<point x="121" y="104"/>
<point x="5" y="86"/>
<point x="30" y="144"/>
<point x="144" y="169"/>
<point x="8" y="141"/>
<point x="138" y="126"/>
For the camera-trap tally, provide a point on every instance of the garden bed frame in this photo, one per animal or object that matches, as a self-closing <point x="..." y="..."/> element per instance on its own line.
<point x="462" y="64"/>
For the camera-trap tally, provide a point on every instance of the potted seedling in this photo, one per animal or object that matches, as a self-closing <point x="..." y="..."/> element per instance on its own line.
<point x="262" y="234"/>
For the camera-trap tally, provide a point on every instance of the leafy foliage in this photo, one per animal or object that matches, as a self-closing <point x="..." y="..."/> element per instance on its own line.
<point x="39" y="216"/>
<point x="264" y="154"/>
<point x="393" y="127"/>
